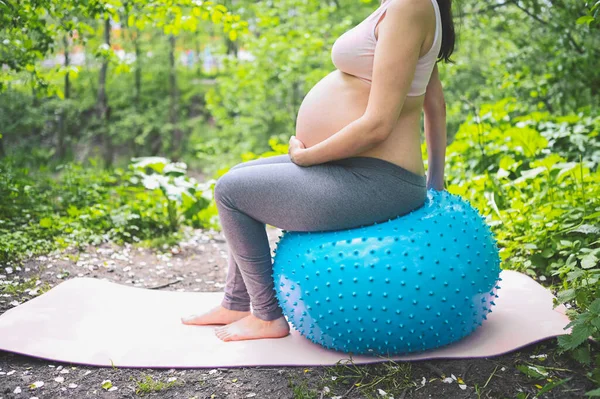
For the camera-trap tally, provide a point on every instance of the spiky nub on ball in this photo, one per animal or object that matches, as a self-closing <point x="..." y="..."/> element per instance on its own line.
<point x="416" y="282"/>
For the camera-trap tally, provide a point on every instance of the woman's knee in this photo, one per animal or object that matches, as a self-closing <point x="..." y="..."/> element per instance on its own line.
<point x="225" y="187"/>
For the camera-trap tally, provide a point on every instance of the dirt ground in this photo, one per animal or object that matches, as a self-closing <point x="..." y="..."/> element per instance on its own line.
<point x="198" y="263"/>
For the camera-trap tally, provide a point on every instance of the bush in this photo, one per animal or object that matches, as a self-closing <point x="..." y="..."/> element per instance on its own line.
<point x="536" y="178"/>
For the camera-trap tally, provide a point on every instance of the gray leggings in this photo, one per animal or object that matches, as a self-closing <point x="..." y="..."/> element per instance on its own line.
<point x="335" y="195"/>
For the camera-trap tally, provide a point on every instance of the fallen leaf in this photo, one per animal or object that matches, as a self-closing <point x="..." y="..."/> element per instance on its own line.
<point x="538" y="356"/>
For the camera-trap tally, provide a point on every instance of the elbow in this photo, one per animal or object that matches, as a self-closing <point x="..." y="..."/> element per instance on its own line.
<point x="435" y="105"/>
<point x="379" y="130"/>
<point x="434" y="98"/>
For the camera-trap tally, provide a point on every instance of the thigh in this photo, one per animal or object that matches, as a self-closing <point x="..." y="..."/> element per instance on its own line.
<point x="315" y="198"/>
<point x="264" y="161"/>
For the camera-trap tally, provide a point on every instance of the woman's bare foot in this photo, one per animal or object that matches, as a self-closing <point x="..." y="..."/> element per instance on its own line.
<point x="251" y="327"/>
<point x="217" y="315"/>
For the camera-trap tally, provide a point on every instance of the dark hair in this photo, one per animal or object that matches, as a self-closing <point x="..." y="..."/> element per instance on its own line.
<point x="448" y="35"/>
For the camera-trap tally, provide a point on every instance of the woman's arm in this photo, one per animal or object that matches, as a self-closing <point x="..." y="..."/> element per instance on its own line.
<point x="394" y="65"/>
<point x="434" y="107"/>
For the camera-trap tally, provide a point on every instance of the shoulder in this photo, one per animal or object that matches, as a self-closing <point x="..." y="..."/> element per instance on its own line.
<point x="410" y="9"/>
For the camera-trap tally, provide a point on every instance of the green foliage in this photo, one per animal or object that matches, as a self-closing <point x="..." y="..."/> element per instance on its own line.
<point x="592" y="15"/>
<point x="520" y="171"/>
<point x="531" y="166"/>
<point x="533" y="50"/>
<point x="184" y="196"/>
<point x="41" y="211"/>
<point x="258" y="100"/>
<point x="147" y="385"/>
<point x="30" y="29"/>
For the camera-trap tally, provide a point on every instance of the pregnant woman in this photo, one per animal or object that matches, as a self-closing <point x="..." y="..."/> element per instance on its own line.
<point x="355" y="160"/>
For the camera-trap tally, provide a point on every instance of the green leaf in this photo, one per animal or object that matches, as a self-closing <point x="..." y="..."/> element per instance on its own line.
<point x="589" y="261"/>
<point x="587" y="229"/>
<point x="548" y="253"/>
<point x="582" y="354"/>
<point x="586" y="19"/>
<point x="579" y="334"/>
<point x="46" y="222"/>
<point x="536" y="372"/>
<point x="566" y="295"/>
<point x="551" y="385"/>
<point x="593" y="393"/>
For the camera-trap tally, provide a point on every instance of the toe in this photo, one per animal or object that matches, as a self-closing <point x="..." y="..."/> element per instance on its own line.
<point x="221" y="333"/>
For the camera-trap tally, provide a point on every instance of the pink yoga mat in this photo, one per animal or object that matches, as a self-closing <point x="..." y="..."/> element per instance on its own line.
<point x="97" y="322"/>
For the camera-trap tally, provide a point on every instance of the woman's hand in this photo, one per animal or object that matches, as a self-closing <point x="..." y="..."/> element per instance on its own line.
<point x="435" y="183"/>
<point x="296" y="150"/>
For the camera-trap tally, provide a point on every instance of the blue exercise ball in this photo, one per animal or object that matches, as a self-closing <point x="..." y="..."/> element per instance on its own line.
<point x="419" y="281"/>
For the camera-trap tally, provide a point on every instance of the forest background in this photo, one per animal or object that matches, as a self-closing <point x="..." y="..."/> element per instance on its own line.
<point x="117" y="116"/>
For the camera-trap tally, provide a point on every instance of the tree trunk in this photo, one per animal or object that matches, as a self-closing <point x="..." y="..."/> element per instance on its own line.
<point x="61" y="131"/>
<point x="67" y="65"/>
<point x="177" y="134"/>
<point x="138" y="71"/>
<point x="198" y="58"/>
<point x="137" y="96"/>
<point x="102" y="103"/>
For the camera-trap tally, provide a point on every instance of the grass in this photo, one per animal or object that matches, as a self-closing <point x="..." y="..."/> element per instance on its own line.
<point x="20" y="288"/>
<point x="148" y="385"/>
<point x="159" y="242"/>
<point x="339" y="380"/>
<point x="302" y="390"/>
<point x="390" y="376"/>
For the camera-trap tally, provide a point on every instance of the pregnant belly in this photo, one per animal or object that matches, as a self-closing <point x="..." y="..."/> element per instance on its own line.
<point x="335" y="101"/>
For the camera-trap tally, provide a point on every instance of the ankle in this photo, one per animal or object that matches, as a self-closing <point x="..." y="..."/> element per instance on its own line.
<point x="236" y="307"/>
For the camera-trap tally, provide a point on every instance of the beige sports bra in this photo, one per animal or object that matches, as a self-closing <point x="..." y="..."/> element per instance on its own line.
<point x="353" y="52"/>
